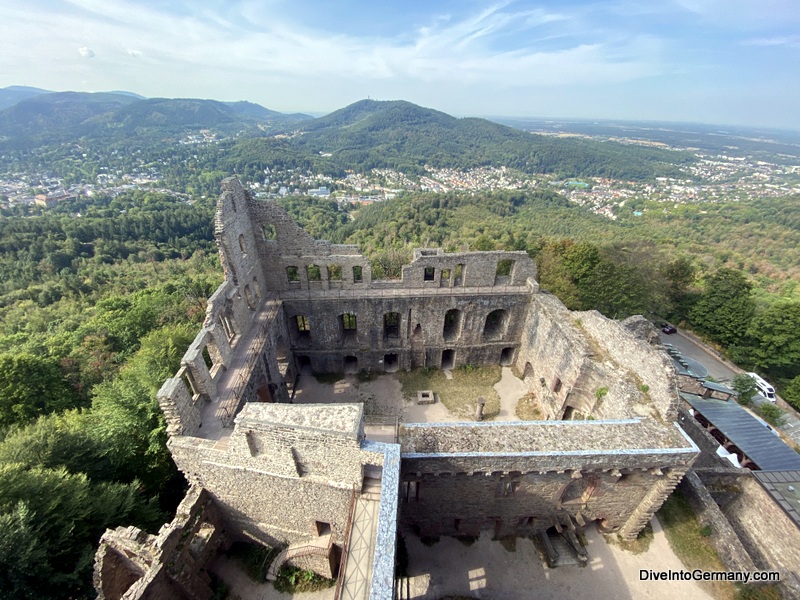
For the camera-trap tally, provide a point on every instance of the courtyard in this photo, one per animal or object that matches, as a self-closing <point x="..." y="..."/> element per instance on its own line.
<point x="391" y="397"/>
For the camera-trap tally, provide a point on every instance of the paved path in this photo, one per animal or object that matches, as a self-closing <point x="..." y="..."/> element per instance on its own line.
<point x="361" y="547"/>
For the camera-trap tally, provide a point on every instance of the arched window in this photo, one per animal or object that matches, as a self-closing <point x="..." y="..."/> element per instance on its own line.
<point x="495" y="326"/>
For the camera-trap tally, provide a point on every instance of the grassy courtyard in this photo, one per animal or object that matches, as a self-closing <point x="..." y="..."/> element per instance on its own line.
<point x="459" y="394"/>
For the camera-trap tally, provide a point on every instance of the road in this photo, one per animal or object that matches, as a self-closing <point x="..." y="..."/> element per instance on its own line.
<point x="725" y="374"/>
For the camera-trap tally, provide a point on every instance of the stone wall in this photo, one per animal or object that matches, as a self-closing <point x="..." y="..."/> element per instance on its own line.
<point x="417" y="336"/>
<point x="284" y="470"/>
<point x="723" y="536"/>
<point x="770" y="537"/>
<point x="133" y="565"/>
<point x="519" y="478"/>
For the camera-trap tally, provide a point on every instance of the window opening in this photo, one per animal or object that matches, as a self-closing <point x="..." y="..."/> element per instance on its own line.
<point x="335" y="272"/>
<point x="391" y="325"/>
<point x="314" y="273"/>
<point x="452" y="324"/>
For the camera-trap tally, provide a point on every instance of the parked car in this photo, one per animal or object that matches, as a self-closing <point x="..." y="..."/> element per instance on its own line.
<point x="669" y="329"/>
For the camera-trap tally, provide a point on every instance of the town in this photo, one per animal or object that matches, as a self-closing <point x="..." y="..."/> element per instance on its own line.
<point x="711" y="179"/>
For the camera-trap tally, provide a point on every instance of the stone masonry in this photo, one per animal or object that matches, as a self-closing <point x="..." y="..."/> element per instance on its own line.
<point x="279" y="473"/>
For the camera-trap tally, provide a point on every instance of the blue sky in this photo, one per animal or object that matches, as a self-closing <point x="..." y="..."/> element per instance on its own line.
<point x="712" y="61"/>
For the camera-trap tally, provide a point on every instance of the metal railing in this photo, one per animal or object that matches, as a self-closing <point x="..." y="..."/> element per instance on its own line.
<point x="345" y="546"/>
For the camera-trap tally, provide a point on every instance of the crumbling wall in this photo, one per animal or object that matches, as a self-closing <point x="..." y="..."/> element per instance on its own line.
<point x="553" y="356"/>
<point x="646" y="385"/>
<point x="723" y="537"/>
<point x="134" y="565"/>
<point x="418" y="339"/>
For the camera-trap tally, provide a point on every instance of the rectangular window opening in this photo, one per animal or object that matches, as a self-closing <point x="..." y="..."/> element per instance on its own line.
<point x="430" y="274"/>
<point x="335" y="272"/>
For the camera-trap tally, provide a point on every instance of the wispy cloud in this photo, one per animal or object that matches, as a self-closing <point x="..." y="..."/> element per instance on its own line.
<point x="790" y="41"/>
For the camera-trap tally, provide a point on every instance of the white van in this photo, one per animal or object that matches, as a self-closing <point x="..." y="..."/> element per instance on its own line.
<point x="763" y="387"/>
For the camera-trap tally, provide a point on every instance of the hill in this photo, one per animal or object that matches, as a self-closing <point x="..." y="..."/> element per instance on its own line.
<point x="115" y="116"/>
<point x="401" y="135"/>
<point x="52" y="116"/>
<point x="9" y="96"/>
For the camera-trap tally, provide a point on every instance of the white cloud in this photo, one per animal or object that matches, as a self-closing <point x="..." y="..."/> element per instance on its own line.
<point x="86" y="52"/>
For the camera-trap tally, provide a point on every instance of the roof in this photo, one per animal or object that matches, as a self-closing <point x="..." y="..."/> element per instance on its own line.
<point x="718" y="387"/>
<point x="757" y="442"/>
<point x="784" y="487"/>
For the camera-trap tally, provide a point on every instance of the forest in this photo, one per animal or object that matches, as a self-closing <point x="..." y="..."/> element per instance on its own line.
<point x="101" y="296"/>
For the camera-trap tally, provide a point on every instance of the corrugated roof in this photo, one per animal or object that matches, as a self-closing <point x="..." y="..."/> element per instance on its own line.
<point x="760" y="445"/>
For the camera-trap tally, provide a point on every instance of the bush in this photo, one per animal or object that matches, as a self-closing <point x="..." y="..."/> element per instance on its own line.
<point x="292" y="580"/>
<point x="771" y="414"/>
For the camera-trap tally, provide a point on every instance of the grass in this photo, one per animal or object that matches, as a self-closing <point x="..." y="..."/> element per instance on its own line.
<point x="328" y="378"/>
<point x="292" y="580"/>
<point x="528" y="408"/>
<point x="685" y="536"/>
<point x="460" y="394"/>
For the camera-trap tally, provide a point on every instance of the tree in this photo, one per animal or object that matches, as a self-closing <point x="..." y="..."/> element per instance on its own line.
<point x="725" y="308"/>
<point x="791" y="393"/>
<point x="745" y="388"/>
<point x="776" y="336"/>
<point x="50" y="521"/>
<point x="31" y="386"/>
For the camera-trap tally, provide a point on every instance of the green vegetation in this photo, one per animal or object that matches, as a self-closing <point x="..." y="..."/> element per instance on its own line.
<point x="690" y="542"/>
<point x="100" y="296"/>
<point x="528" y="408"/>
<point x="95" y="312"/>
<point x="254" y="559"/>
<point x="745" y="388"/>
<point x="292" y="580"/>
<point x="459" y="394"/>
<point x="694" y="549"/>
<point x="639" y="545"/>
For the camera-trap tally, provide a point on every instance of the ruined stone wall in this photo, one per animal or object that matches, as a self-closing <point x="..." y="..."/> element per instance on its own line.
<point x="645" y="384"/>
<point x="520" y="478"/>
<point x="553" y="355"/>
<point x="284" y="468"/>
<point x="418" y="339"/>
<point x="134" y="565"/>
<point x="770" y="537"/>
<point x="723" y="537"/>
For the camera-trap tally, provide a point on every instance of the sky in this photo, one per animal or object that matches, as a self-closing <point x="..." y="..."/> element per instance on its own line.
<point x="731" y="62"/>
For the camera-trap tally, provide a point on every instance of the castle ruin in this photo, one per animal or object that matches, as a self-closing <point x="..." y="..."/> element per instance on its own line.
<point x="319" y="480"/>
